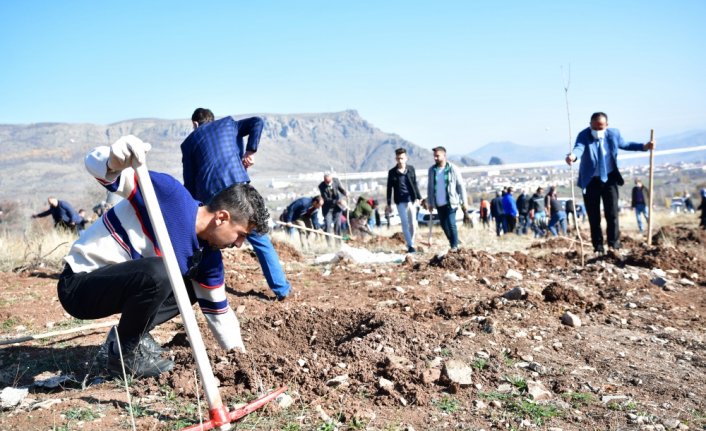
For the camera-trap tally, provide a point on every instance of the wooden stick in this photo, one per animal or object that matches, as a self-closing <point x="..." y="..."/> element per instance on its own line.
<point x="308" y="229"/>
<point x="649" y="199"/>
<point x="61" y="332"/>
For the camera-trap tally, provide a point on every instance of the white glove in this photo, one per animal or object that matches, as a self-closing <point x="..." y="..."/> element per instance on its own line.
<point x="125" y="151"/>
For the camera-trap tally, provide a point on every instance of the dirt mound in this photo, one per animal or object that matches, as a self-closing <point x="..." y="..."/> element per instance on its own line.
<point x="666" y="257"/>
<point x="287" y="252"/>
<point x="677" y="235"/>
<point x="557" y="292"/>
<point x="313" y="349"/>
<point x="470" y="261"/>
<point x="399" y="237"/>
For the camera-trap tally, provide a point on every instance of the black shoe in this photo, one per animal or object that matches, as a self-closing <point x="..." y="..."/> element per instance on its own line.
<point x="616" y="246"/>
<point x="147" y="340"/>
<point x="411" y="250"/>
<point x="139" y="361"/>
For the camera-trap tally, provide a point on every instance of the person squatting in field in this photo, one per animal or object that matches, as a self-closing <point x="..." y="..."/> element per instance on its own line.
<point x="116" y="266"/>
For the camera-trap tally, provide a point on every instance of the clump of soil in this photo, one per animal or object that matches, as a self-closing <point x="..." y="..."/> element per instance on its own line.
<point x="557" y="292"/>
<point x="287" y="252"/>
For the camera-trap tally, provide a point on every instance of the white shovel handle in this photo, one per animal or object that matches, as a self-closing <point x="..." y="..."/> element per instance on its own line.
<point x="182" y="297"/>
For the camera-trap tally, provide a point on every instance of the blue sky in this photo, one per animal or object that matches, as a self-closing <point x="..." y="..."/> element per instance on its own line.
<point x="453" y="73"/>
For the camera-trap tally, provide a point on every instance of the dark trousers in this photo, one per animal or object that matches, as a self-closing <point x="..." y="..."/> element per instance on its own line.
<point x="447" y="218"/>
<point x="139" y="289"/>
<point x="332" y="217"/>
<point x="607" y="192"/>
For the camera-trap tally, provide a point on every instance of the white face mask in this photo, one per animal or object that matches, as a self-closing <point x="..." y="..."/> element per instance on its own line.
<point x="598" y="134"/>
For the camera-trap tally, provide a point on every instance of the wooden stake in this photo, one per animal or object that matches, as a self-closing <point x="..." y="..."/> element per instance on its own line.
<point x="57" y="333"/>
<point x="649" y="199"/>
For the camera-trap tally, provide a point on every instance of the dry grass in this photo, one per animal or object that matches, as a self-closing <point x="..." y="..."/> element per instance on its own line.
<point x="35" y="248"/>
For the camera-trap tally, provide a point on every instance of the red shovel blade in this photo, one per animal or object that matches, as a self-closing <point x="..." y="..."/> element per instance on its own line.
<point x="241" y="412"/>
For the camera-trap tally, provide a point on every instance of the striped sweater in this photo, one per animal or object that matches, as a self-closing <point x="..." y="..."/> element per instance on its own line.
<point x="125" y="233"/>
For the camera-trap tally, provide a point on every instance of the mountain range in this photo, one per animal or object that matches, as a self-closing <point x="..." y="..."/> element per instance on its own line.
<point x="46" y="159"/>
<point x="510" y="152"/>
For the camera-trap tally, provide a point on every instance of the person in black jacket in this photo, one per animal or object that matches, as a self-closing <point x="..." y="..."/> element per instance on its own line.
<point x="498" y="213"/>
<point x="332" y="191"/>
<point x="402" y="185"/>
<point x="523" y="209"/>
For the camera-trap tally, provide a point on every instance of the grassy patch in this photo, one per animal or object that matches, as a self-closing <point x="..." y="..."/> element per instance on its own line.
<point x="578" y="399"/>
<point x="518" y="382"/>
<point x="447" y="404"/>
<point x="495" y="396"/>
<point x="480" y="364"/>
<point x="537" y="413"/>
<point x="79" y="414"/>
<point x="9" y="323"/>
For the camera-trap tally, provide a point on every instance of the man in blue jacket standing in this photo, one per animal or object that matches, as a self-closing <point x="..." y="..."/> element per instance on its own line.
<point x="597" y="148"/>
<point x="215" y="157"/>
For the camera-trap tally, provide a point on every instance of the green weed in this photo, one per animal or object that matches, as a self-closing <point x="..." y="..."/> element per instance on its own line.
<point x="447" y="404"/>
<point x="79" y="414"/>
<point x="535" y="412"/>
<point x="519" y="382"/>
<point x="480" y="364"/>
<point x="578" y="399"/>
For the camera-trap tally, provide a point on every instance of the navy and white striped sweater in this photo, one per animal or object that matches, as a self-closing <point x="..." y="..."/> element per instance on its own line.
<point x="125" y="233"/>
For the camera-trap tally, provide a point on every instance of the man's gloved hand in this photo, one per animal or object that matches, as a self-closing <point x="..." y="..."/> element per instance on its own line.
<point x="126" y="150"/>
<point x="467" y="221"/>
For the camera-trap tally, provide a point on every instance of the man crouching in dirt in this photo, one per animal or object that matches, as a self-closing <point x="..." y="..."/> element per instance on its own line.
<point x="116" y="266"/>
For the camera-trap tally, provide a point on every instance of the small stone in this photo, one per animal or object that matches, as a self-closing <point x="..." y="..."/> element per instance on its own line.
<point x="671" y="423"/>
<point x="658" y="272"/>
<point x="686" y="282"/>
<point x="513" y="275"/>
<point x="424" y="282"/>
<point x="452" y="277"/>
<point x="482" y="355"/>
<point x="430" y="375"/>
<point x="480" y="405"/>
<point x="278" y="322"/>
<point x="240" y="309"/>
<point x="284" y="401"/>
<point x="10" y="397"/>
<point x="515" y="294"/>
<point x="458" y="372"/>
<point x="338" y="380"/>
<point x="386" y="385"/>
<point x="496" y="404"/>
<point x="301" y="362"/>
<point x="570" y="319"/>
<point x="659" y="281"/>
<point x="631" y="305"/>
<point x="504" y="388"/>
<point x="537" y="391"/>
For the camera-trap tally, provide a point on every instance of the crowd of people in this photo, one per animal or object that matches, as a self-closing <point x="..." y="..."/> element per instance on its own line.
<point x="116" y="265"/>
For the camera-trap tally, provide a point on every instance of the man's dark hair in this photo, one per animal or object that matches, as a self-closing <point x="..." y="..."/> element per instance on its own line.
<point x="202" y="116"/>
<point x="245" y="206"/>
<point x="318" y="198"/>
<point x="597" y="115"/>
<point x="400" y="151"/>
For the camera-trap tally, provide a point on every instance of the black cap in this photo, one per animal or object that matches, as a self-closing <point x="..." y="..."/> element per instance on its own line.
<point x="439" y="148"/>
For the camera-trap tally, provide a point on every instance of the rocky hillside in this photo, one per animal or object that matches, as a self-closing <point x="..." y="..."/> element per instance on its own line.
<point x="47" y="158"/>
